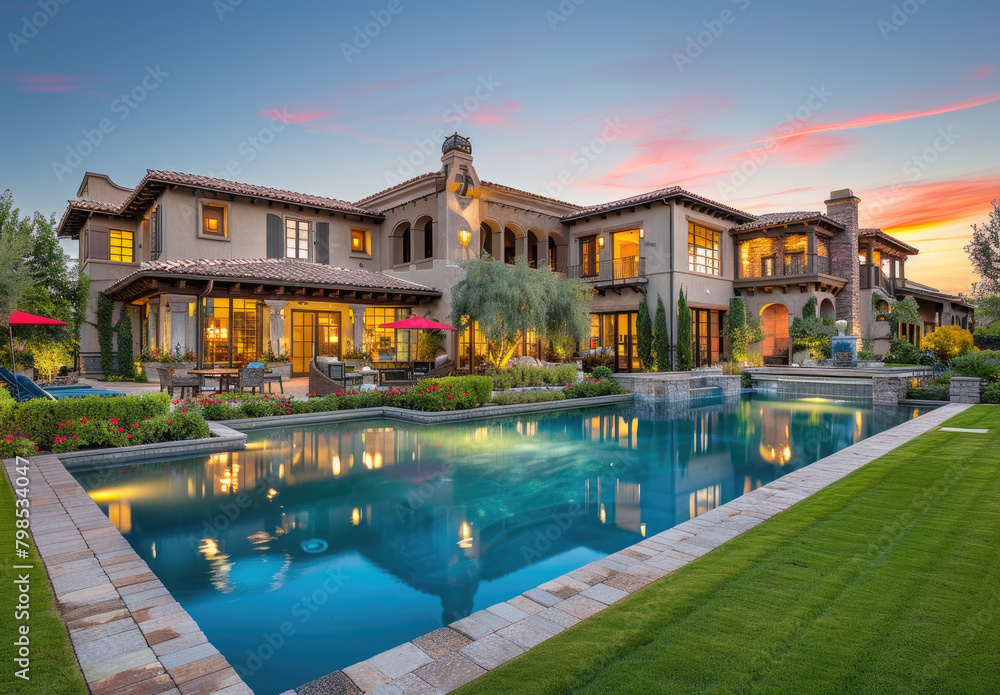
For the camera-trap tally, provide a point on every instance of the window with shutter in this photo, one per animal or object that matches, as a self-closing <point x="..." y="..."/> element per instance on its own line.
<point x="97" y="244"/>
<point x="275" y="237"/>
<point x="323" y="242"/>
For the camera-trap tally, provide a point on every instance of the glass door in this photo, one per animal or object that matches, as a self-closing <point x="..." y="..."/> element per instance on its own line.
<point x="314" y="334"/>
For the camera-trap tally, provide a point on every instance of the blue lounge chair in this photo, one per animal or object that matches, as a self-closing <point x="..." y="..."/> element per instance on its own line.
<point x="25" y="389"/>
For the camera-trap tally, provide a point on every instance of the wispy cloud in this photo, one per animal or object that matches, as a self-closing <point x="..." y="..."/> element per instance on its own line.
<point x="878" y="119"/>
<point x="980" y="73"/>
<point x="928" y="204"/>
<point x="408" y="82"/>
<point x="498" y="118"/>
<point x="52" y="83"/>
<point x="292" y="116"/>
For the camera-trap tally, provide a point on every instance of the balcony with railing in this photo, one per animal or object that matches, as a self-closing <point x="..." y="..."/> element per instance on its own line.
<point x="874" y="278"/>
<point x="612" y="273"/>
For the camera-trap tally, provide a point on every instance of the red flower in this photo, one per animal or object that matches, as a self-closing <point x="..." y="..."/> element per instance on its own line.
<point x="84" y="420"/>
<point x="74" y="436"/>
<point x="61" y="425"/>
<point x="36" y="447"/>
<point x="465" y="394"/>
<point x="121" y="429"/>
<point x="145" y="418"/>
<point x="10" y="438"/>
<point x="129" y="435"/>
<point x="340" y="393"/>
<point x="184" y="410"/>
<point x="136" y="426"/>
<point x="170" y="422"/>
<point x="450" y="396"/>
<point x="113" y="421"/>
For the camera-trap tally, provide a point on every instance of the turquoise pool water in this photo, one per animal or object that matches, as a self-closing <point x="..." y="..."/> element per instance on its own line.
<point x="321" y="546"/>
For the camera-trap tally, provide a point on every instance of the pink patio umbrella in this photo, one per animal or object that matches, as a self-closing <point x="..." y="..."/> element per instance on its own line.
<point x="418" y="323"/>
<point x="20" y="318"/>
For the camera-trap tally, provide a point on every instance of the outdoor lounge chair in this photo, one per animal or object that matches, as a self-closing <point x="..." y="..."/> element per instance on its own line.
<point x="170" y="381"/>
<point x="269" y="379"/>
<point x="24" y="389"/>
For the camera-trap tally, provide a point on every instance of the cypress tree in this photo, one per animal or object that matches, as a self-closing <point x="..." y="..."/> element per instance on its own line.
<point x="660" y="349"/>
<point x="126" y="365"/>
<point x="644" y="337"/>
<point x="105" y="332"/>
<point x="685" y="361"/>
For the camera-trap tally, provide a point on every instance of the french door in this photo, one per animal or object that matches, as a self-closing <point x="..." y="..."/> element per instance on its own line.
<point x="314" y="334"/>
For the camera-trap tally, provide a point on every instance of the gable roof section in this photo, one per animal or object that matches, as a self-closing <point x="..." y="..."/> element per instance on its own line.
<point x="653" y="196"/>
<point x="779" y="219"/>
<point x="889" y="239"/>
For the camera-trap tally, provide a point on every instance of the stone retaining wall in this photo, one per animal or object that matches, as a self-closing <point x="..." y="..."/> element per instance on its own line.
<point x="964" y="389"/>
<point x="889" y="390"/>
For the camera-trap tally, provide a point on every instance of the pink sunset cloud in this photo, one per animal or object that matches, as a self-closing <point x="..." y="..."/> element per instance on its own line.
<point x="292" y="116"/>
<point x="52" y="83"/>
<point x="923" y="205"/>
<point x="497" y="118"/>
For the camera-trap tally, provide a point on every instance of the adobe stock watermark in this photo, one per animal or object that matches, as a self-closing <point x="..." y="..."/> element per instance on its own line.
<point x="698" y="43"/>
<point x="122" y="107"/>
<point x="899" y="16"/>
<point x="365" y="33"/>
<point x="787" y="125"/>
<point x="562" y="12"/>
<point x="250" y="147"/>
<point x="426" y="149"/>
<point x="33" y="23"/>
<point x="583" y="157"/>
<point x="224" y="7"/>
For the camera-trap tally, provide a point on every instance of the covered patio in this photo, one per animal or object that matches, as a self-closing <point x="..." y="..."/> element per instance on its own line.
<point x="229" y="312"/>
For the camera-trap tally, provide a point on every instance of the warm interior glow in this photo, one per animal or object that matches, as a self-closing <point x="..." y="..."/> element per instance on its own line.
<point x="464" y="236"/>
<point x="211" y="224"/>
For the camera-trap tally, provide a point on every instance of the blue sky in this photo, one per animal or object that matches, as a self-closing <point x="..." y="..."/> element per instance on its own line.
<point x="766" y="106"/>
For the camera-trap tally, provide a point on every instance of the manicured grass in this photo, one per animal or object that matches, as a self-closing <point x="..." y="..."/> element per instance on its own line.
<point x="54" y="669"/>
<point x="885" y="582"/>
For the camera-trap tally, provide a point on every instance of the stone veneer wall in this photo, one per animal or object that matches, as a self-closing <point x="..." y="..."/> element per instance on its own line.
<point x="889" y="390"/>
<point x="964" y="389"/>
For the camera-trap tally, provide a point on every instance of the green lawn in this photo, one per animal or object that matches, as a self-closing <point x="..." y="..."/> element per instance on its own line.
<point x="886" y="582"/>
<point x="54" y="670"/>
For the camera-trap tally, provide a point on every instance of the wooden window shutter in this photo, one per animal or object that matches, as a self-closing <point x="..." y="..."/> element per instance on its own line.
<point x="156" y="232"/>
<point x="323" y="243"/>
<point x="97" y="244"/>
<point x="275" y="237"/>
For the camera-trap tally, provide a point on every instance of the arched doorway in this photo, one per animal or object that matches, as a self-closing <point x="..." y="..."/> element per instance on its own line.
<point x="401" y="250"/>
<point x="486" y="240"/>
<point x="534" y="238"/>
<point x="774" y="321"/>
<point x="827" y="310"/>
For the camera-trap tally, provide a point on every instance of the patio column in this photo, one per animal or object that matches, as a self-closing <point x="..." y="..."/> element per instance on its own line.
<point x="179" y="309"/>
<point x="275" y="307"/>
<point x="358" y="331"/>
<point x="811" y="251"/>
<point x="153" y="324"/>
<point x="542" y="251"/>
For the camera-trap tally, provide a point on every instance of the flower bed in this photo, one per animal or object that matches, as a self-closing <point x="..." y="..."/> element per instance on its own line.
<point x="525" y="375"/>
<point x="92" y="422"/>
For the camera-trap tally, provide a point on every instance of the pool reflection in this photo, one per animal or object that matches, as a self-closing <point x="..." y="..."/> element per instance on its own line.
<point x="404" y="517"/>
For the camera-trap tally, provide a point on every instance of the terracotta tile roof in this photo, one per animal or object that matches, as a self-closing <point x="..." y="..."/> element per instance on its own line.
<point x="252" y="190"/>
<point x="773" y="219"/>
<point x="273" y="270"/>
<point x="83" y="207"/>
<point x="670" y="192"/>
<point x="517" y="191"/>
<point x="878" y="233"/>
<point x="390" y="189"/>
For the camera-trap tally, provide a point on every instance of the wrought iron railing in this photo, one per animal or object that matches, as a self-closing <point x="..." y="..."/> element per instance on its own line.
<point x="619" y="270"/>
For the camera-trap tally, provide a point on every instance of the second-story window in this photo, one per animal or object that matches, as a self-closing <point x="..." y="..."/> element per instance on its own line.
<point x="213" y="220"/>
<point x="297" y="239"/>
<point x="121" y="246"/>
<point x="704" y="250"/>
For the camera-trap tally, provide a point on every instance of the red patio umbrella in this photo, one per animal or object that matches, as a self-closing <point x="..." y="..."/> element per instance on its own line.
<point x="20" y="318"/>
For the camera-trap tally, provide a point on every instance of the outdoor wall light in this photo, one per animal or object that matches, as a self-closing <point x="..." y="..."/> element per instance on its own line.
<point x="642" y="232"/>
<point x="600" y="241"/>
<point x="464" y="236"/>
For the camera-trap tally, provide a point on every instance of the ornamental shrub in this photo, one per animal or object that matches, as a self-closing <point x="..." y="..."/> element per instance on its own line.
<point x="947" y="342"/>
<point x="984" y="364"/>
<point x="589" y="389"/>
<point x="685" y="345"/>
<point x="661" y="349"/>
<point x="17" y="444"/>
<point x="479" y="388"/>
<point x="126" y="364"/>
<point x="986" y="341"/>
<point x="521" y="397"/>
<point x="527" y="375"/>
<point x="602" y="373"/>
<point x="105" y="330"/>
<point x="39" y="419"/>
<point x="903" y="352"/>
<point x="644" y="335"/>
<point x="990" y="394"/>
<point x="938" y="389"/>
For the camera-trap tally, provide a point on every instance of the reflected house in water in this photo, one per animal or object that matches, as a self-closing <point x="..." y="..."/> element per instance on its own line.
<point x="444" y="509"/>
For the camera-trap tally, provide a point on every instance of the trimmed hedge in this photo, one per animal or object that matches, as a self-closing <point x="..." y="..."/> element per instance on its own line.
<point x="99" y="434"/>
<point x="522" y="397"/>
<point x="525" y="375"/>
<point x="39" y="419"/>
<point x="591" y="388"/>
<point x="986" y="342"/>
<point x="984" y="365"/>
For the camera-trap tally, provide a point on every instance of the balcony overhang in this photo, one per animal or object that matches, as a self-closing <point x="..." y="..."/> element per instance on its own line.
<point x="782" y="284"/>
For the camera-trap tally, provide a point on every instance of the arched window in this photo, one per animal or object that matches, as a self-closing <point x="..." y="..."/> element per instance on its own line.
<point x="509" y="245"/>
<point x="401" y="252"/>
<point x="486" y="239"/>
<point x="532" y="248"/>
<point x="429" y="239"/>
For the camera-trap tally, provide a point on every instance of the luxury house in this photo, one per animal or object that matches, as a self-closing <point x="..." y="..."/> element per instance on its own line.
<point x="229" y="271"/>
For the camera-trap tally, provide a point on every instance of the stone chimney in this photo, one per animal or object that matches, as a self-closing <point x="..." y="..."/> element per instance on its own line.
<point x="843" y="207"/>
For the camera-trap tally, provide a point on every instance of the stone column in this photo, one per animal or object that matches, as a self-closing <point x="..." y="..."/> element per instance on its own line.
<point x="498" y="249"/>
<point x="277" y="337"/>
<point x="965" y="389"/>
<point x="358" y="331"/>
<point x="153" y="325"/>
<point x="810" y="252"/>
<point x="542" y="251"/>
<point x="178" y="322"/>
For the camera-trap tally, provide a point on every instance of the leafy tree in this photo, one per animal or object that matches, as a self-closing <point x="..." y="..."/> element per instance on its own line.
<point x="15" y="245"/>
<point x="126" y="364"/>
<point x="105" y="332"/>
<point x="906" y="310"/>
<point x="508" y="301"/>
<point x="644" y="337"/>
<point x="809" y="309"/>
<point x="685" y="358"/>
<point x="49" y="357"/>
<point x="947" y="342"/>
<point x="987" y="312"/>
<point x="661" y="348"/>
<point x="984" y="253"/>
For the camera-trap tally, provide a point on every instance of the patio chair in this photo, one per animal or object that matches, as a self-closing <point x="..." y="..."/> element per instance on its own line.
<point x="250" y="378"/>
<point x="24" y="389"/>
<point x="169" y="381"/>
<point x="269" y="379"/>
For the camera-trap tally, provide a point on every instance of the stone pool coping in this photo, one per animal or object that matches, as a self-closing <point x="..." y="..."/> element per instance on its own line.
<point x="452" y="656"/>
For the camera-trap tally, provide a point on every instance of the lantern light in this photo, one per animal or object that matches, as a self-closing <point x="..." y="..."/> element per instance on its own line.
<point x="464" y="236"/>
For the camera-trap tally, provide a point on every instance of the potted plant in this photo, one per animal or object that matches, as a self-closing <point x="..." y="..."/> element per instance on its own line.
<point x="178" y="358"/>
<point x="280" y="364"/>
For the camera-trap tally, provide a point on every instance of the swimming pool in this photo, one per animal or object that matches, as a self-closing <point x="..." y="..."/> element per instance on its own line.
<point x="320" y="546"/>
